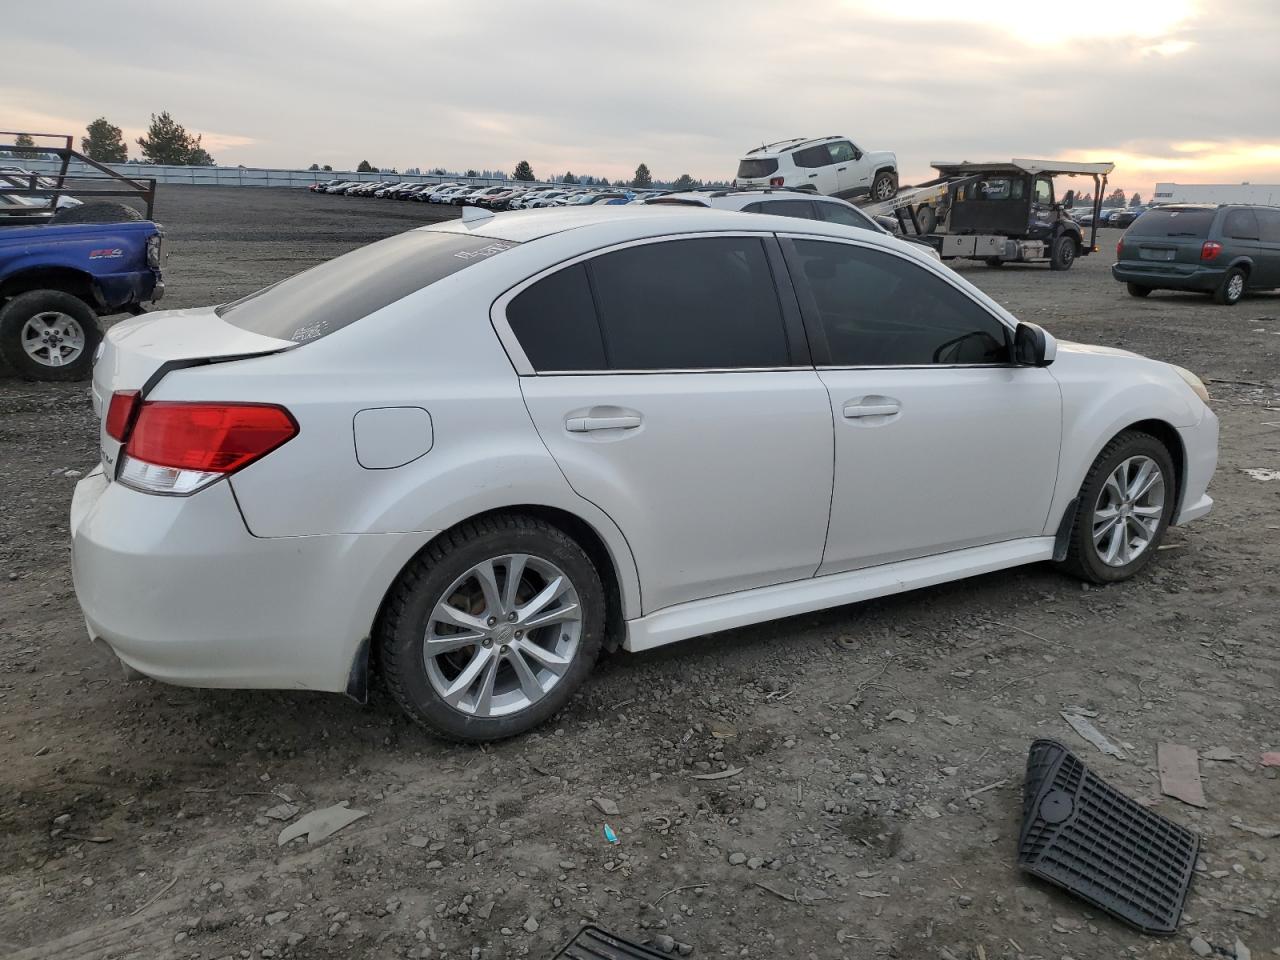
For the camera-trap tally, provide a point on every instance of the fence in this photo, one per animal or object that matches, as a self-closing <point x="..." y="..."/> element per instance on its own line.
<point x="252" y="176"/>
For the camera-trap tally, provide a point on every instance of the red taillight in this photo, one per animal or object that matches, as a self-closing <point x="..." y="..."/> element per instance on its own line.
<point x="1119" y="245"/>
<point x="208" y="437"/>
<point x="120" y="414"/>
<point x="1210" y="250"/>
<point x="776" y="181"/>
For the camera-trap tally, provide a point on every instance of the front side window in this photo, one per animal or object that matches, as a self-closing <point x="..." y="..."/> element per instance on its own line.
<point x="801" y="209"/>
<point x="1044" y="191"/>
<point x="1241" y="225"/>
<point x="878" y="309"/>
<point x="701" y="303"/>
<point x="834" y="212"/>
<point x="841" y="151"/>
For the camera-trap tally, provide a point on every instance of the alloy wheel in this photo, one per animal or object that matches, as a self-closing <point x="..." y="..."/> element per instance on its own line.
<point x="1128" y="512"/>
<point x="1235" y="287"/>
<point x="502" y="635"/>
<point x="52" y="338"/>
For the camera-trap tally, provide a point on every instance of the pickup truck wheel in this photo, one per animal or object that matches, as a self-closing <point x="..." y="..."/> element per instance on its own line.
<point x="884" y="186"/>
<point x="1063" y="253"/>
<point x="49" y="335"/>
<point x="99" y="211"/>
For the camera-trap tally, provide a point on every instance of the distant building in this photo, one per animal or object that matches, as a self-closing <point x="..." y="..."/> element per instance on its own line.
<point x="1265" y="193"/>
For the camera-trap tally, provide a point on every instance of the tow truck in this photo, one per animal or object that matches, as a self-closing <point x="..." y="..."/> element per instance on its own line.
<point x="999" y="212"/>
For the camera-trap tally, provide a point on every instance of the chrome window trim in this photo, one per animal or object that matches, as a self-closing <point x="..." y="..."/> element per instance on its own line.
<point x="511" y="343"/>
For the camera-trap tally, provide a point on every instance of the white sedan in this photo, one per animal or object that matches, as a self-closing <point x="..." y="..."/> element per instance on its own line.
<point x="484" y="451"/>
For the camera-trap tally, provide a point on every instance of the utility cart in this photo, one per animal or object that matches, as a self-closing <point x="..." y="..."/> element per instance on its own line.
<point x="1000" y="212"/>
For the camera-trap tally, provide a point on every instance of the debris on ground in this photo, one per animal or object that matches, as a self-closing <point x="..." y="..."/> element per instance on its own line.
<point x="1261" y="473"/>
<point x="1220" y="754"/>
<point x="905" y="716"/>
<point x="320" y="824"/>
<point x="282" y="811"/>
<point x="1180" y="773"/>
<point x="1091" y="733"/>
<point x="1271" y="759"/>
<point x="1267" y="833"/>
<point x="718" y="775"/>
<point x="605" y="806"/>
<point x="609" y="834"/>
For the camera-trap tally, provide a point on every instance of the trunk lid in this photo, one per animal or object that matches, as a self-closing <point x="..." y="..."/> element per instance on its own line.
<point x="136" y="353"/>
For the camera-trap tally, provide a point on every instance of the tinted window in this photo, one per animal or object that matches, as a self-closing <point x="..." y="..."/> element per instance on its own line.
<point x="996" y="188"/>
<point x="881" y="310"/>
<point x="817" y="156"/>
<point x="1269" y="225"/>
<point x="1164" y="222"/>
<point x="555" y="322"/>
<point x="1043" y="191"/>
<point x="1241" y="225"/>
<point x="706" y="303"/>
<point x="749" y="169"/>
<point x="843" y="213"/>
<point x="840" y="151"/>
<point x="328" y="297"/>
<point x="802" y="209"/>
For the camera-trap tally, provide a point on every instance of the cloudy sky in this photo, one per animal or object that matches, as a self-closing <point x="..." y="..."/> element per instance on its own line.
<point x="1185" y="90"/>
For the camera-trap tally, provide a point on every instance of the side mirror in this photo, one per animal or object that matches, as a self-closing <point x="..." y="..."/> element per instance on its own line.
<point x="857" y="154"/>
<point x="1033" y="346"/>
<point x="1069" y="200"/>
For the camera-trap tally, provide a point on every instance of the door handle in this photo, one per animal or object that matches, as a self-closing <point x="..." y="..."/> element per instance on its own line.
<point x="854" y="410"/>
<point x="587" y="424"/>
<point x="812" y="176"/>
<point x="841" y="169"/>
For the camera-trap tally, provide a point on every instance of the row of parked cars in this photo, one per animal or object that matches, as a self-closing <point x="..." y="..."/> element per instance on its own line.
<point x="1111" y="216"/>
<point x="509" y="196"/>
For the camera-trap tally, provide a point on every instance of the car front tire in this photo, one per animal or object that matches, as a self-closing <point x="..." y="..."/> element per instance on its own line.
<point x="492" y="628"/>
<point x="1125" y="506"/>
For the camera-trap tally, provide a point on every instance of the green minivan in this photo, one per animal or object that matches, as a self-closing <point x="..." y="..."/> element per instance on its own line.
<point x="1223" y="250"/>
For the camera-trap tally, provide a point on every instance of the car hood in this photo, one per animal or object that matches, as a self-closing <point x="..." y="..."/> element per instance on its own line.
<point x="1068" y="346"/>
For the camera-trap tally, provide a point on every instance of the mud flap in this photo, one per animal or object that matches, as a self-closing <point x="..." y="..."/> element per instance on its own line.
<point x="358" y="678"/>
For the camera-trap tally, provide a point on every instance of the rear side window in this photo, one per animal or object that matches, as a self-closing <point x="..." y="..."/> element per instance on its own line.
<point x="555" y="322"/>
<point x="801" y="209"/>
<point x="877" y="309"/>
<point x="1174" y="223"/>
<point x="818" y="156"/>
<point x="750" y="169"/>
<point x="1269" y="225"/>
<point x="1241" y="225"/>
<point x="702" y="303"/>
<point x="335" y="294"/>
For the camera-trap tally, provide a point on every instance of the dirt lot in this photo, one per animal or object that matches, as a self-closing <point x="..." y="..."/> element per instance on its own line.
<point x="132" y="815"/>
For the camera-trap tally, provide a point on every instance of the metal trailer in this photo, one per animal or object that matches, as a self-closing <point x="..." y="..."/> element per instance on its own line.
<point x="52" y="185"/>
<point x="999" y="212"/>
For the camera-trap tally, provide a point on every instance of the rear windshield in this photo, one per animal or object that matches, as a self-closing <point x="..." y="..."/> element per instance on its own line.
<point x="337" y="293"/>
<point x="749" y="169"/>
<point x="1173" y="223"/>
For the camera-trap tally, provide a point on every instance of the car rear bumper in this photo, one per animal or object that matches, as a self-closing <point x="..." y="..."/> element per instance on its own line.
<point x="182" y="592"/>
<point x="1168" y="276"/>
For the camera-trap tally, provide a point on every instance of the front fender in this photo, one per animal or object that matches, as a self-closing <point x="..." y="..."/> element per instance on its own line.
<point x="1102" y="395"/>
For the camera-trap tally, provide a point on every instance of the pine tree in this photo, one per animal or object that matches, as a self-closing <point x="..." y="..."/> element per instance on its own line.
<point x="642" y="178"/>
<point x="23" y="140"/>
<point x="167" y="141"/>
<point x="364" y="167"/>
<point x="105" y="142"/>
<point x="523" y="172"/>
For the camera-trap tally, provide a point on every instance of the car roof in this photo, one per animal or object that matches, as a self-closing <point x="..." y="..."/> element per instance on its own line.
<point x="617" y="224"/>
<point x="786" y="146"/>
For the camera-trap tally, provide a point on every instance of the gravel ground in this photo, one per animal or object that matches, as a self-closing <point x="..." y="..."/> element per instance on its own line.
<point x="137" y="820"/>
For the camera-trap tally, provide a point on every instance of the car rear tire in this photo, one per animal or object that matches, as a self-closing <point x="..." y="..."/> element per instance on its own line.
<point x="1138" y="290"/>
<point x="98" y="211"/>
<point x="492" y="628"/>
<point x="49" y="335"/>
<point x="1063" y="253"/>
<point x="884" y="186"/>
<point x="1125" y="506"/>
<point x="1231" y="289"/>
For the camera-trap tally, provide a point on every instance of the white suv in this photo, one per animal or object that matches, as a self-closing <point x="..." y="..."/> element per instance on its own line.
<point x="832" y="166"/>
<point x="479" y="453"/>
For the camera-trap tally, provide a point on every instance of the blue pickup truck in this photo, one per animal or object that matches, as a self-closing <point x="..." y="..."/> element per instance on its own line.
<point x="56" y="280"/>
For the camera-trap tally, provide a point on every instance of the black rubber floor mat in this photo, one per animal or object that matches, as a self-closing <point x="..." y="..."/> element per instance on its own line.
<point x="592" y="943"/>
<point x="1090" y="839"/>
